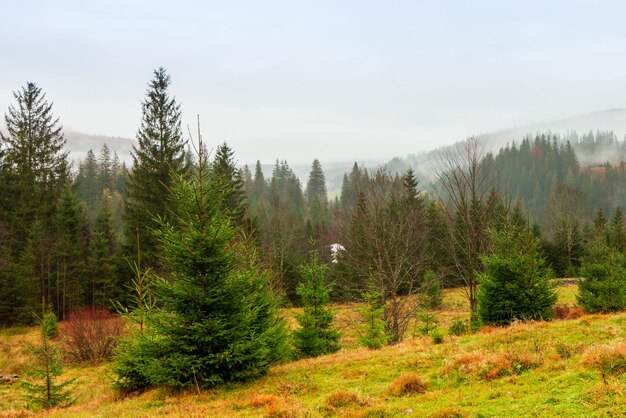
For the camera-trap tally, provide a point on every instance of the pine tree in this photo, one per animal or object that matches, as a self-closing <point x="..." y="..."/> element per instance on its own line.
<point x="36" y="170"/>
<point x="217" y="323"/>
<point x="316" y="335"/>
<point x="603" y="288"/>
<point x="160" y="153"/>
<point x="371" y="333"/>
<point x="230" y="180"/>
<point x="317" y="201"/>
<point x="34" y="150"/>
<point x="42" y="390"/>
<point x="515" y="284"/>
<point x="617" y="238"/>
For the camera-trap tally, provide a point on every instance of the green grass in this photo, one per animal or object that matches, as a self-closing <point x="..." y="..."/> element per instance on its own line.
<point x="527" y="369"/>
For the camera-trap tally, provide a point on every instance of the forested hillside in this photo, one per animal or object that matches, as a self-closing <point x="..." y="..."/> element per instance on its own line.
<point x="184" y="260"/>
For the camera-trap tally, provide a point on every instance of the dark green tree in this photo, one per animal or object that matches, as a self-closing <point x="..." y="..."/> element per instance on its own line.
<point x="159" y="154"/>
<point x="316" y="335"/>
<point x="218" y="320"/>
<point x="231" y="182"/>
<point x="603" y="287"/>
<point x="515" y="284"/>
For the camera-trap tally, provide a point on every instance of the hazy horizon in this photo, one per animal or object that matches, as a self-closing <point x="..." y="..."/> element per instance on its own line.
<point x="326" y="80"/>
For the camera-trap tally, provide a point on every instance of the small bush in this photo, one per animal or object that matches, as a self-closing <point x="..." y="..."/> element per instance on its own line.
<point x="608" y="359"/>
<point x="92" y="334"/>
<point x="436" y="335"/>
<point x="490" y="366"/>
<point x="563" y="350"/>
<point x="343" y="398"/>
<point x="450" y="412"/>
<point x="562" y="311"/>
<point x="459" y="326"/>
<point x="426" y="322"/>
<point x="408" y="384"/>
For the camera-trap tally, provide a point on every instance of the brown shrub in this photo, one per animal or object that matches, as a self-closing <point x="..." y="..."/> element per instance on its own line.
<point x="407" y="384"/>
<point x="276" y="406"/>
<point x="451" y="412"/>
<point x="343" y="398"/>
<point x="562" y="311"/>
<point x="91" y="334"/>
<point x="493" y="365"/>
<point x="608" y="359"/>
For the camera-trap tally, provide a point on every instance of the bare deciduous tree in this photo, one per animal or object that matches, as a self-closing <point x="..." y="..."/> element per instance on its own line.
<point x="385" y="240"/>
<point x="464" y="185"/>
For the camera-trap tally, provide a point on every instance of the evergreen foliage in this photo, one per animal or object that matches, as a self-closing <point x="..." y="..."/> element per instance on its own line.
<point x="42" y="389"/>
<point x="216" y="323"/>
<point x="603" y="287"/>
<point x="316" y="335"/>
<point x="515" y="284"/>
<point x="159" y="154"/>
<point x="372" y="333"/>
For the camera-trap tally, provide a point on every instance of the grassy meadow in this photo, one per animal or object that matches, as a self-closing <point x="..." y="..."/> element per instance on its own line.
<point x="569" y="368"/>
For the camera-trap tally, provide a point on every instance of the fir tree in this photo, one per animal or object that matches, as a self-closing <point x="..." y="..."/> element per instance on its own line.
<point x="42" y="389"/>
<point x="603" y="287"/>
<point x="160" y="153"/>
<point x="217" y="323"/>
<point x="515" y="284"/>
<point x="230" y="180"/>
<point x="316" y="335"/>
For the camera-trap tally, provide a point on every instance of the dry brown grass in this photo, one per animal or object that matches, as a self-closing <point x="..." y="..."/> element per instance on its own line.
<point x="344" y="398"/>
<point x="608" y="359"/>
<point x="408" y="384"/>
<point x="566" y="312"/>
<point x="490" y="366"/>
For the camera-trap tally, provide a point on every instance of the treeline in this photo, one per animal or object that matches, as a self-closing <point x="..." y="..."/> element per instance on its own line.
<point x="74" y="237"/>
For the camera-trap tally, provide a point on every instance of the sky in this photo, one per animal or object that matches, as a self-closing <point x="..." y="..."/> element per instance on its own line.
<point x="335" y="80"/>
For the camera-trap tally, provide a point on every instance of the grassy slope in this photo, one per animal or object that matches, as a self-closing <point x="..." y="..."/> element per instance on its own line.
<point x="535" y="369"/>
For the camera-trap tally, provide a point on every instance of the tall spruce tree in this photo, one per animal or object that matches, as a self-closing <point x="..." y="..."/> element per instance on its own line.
<point x="231" y="182"/>
<point x="160" y="153"/>
<point x="35" y="170"/>
<point x="317" y="201"/>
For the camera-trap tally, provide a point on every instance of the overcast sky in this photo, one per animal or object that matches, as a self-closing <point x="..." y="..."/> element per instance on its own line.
<point x="337" y="80"/>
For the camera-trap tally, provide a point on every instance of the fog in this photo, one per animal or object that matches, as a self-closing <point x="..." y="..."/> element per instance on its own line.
<point x="352" y="80"/>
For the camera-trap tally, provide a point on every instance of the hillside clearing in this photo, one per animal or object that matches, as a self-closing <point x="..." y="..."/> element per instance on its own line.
<point x="564" y="367"/>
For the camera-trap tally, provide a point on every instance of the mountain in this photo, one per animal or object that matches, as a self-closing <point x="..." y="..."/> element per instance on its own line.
<point x="579" y="130"/>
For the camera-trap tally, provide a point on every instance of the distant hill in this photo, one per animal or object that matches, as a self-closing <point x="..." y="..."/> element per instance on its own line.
<point x="574" y="129"/>
<point x="79" y="143"/>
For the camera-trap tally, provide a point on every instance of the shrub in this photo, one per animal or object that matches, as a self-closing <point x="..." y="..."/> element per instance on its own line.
<point x="92" y="334"/>
<point x="459" y="326"/>
<point x="436" y="335"/>
<point x="515" y="284"/>
<point x="343" y="398"/>
<point x="408" y="384"/>
<point x="562" y="311"/>
<point x="426" y="322"/>
<point x="493" y="365"/>
<point x="608" y="359"/>
<point x="603" y="288"/>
